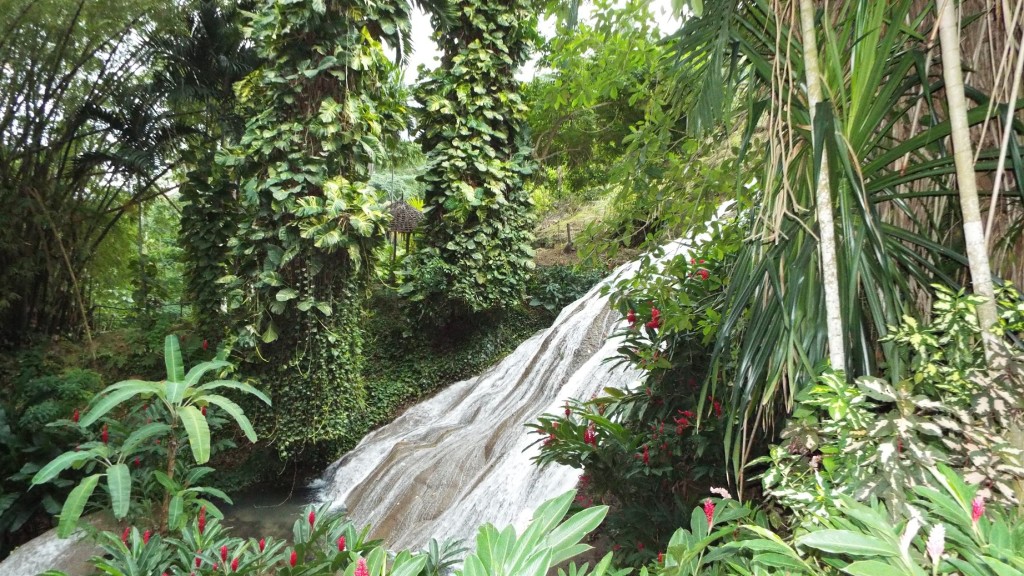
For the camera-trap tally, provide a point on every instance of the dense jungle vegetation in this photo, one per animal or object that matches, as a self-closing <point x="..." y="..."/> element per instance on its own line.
<point x="237" y="236"/>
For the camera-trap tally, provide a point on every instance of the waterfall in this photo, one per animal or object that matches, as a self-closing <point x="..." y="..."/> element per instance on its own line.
<point x="463" y="457"/>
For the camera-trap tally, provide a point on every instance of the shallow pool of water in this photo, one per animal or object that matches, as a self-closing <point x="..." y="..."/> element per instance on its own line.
<point x="266" y="510"/>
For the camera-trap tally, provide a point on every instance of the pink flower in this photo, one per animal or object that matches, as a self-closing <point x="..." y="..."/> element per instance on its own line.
<point x="341" y="543"/>
<point x="145" y="536"/>
<point x="263" y="544"/>
<point x="223" y="553"/>
<point x="202" y="519"/>
<point x="977" y="508"/>
<point x="294" y="558"/>
<point x="709" y="512"/>
<point x="312" y="518"/>
<point x="703" y="274"/>
<point x="361" y="569"/>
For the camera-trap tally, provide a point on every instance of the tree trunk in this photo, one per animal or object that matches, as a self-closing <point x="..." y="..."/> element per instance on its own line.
<point x="974" y="234"/>
<point x="823" y="199"/>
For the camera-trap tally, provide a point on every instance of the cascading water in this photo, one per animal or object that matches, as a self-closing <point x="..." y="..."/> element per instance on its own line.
<point x="463" y="457"/>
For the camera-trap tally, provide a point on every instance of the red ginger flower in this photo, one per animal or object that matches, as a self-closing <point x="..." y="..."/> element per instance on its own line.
<point x="202" y="519"/>
<point x="224" y="553"/>
<point x="312" y="518"/>
<point x="206" y="344"/>
<point x="105" y="434"/>
<point x="199" y="561"/>
<point x="203" y="410"/>
<point x="703" y="274"/>
<point x="361" y="569"/>
<point x="145" y="536"/>
<point x="661" y="557"/>
<point x="646" y="456"/>
<point x="263" y="544"/>
<point x="124" y="535"/>
<point x="215" y="565"/>
<point x="74" y="416"/>
<point x="294" y="558"/>
<point x="709" y="512"/>
<point x="631" y="317"/>
<point x="341" y="543"/>
<point x="138" y="462"/>
<point x="590" y="435"/>
<point x="234" y="565"/>
<point x="977" y="508"/>
<point x="568" y="412"/>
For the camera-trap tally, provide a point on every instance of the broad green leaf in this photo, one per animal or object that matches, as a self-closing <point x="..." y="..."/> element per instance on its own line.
<point x="847" y="542"/>
<point x="107" y="402"/>
<point x="411" y="567"/>
<point x="573" y="530"/>
<point x="175" y="392"/>
<point x="872" y="568"/>
<point x="197" y="371"/>
<point x="75" y="504"/>
<point x="236" y="412"/>
<point x="198" y="432"/>
<point x="175" y="513"/>
<point x="60" y="464"/>
<point x="235" y="386"/>
<point x="143" y="434"/>
<point x="119" y="481"/>
<point x="172" y="359"/>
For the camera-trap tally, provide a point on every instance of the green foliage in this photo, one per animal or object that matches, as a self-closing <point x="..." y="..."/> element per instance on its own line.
<point x="552" y="287"/>
<point x="180" y="402"/>
<point x="951" y="531"/>
<point x="316" y="118"/>
<point x="653" y="449"/>
<point x="478" y="215"/>
<point x="324" y="542"/>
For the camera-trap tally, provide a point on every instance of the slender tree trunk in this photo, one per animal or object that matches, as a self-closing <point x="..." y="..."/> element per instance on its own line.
<point x="974" y="233"/>
<point x="823" y="199"/>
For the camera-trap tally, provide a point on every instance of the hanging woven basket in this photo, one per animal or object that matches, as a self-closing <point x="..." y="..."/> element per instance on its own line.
<point x="404" y="218"/>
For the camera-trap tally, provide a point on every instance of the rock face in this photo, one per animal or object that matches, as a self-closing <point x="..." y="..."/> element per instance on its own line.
<point x="48" y="552"/>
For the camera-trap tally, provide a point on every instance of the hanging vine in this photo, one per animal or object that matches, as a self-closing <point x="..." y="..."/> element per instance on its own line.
<point x="477" y="250"/>
<point x="316" y="116"/>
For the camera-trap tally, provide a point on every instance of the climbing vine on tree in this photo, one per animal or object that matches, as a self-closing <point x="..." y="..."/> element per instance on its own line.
<point x="477" y="231"/>
<point x="316" y="115"/>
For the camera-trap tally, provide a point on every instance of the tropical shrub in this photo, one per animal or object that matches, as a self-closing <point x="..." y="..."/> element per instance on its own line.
<point x="176" y="412"/>
<point x="324" y="542"/>
<point x="476" y="237"/>
<point x="655" y="448"/>
<point x="552" y="287"/>
<point x="949" y="530"/>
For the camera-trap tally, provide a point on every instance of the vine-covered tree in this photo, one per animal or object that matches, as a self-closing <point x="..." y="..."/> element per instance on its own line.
<point x="316" y="115"/>
<point x="477" y="231"/>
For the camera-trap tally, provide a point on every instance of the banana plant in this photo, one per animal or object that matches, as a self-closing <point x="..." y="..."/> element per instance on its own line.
<point x="184" y="401"/>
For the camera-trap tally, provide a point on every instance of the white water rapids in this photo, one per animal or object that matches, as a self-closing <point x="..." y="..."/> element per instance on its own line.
<point x="462" y="457"/>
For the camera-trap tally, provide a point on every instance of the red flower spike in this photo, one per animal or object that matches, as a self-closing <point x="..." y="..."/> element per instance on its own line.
<point x="568" y="412"/>
<point x="590" y="435"/>
<point x="294" y="558"/>
<point x="647" y="456"/>
<point x="206" y="345"/>
<point x="341" y="543"/>
<point x="202" y="519"/>
<point x="74" y="416"/>
<point x="977" y="508"/>
<point x="215" y="565"/>
<point x="709" y="512"/>
<point x="203" y="410"/>
<point x="124" y="535"/>
<point x="145" y="537"/>
<point x="138" y="462"/>
<point x="661" y="557"/>
<point x="361" y="569"/>
<point x="263" y="544"/>
<point x="703" y="274"/>
<point x="640" y="546"/>
<point x="631" y="317"/>
<point x="224" y="553"/>
<point x="312" y="518"/>
<point x="105" y="434"/>
<point x="199" y="561"/>
<point x="234" y="565"/>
